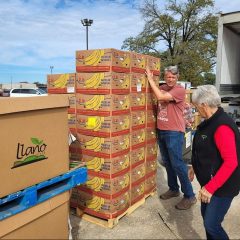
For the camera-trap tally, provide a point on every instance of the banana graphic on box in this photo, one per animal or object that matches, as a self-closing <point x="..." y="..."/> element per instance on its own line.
<point x="141" y="120"/>
<point x="94" y="103"/>
<point x="141" y="172"/>
<point x="127" y="197"/>
<point x="158" y="65"/>
<point x="125" y="124"/>
<point x="95" y="203"/>
<point x="99" y="122"/>
<point x="141" y="190"/>
<point x="94" y="81"/>
<point x="142" y="62"/>
<point x="126" y="61"/>
<point x="126" y="103"/>
<point x="126" y="162"/>
<point x="95" y="183"/>
<point x="95" y="164"/>
<point x="125" y="143"/>
<point x="94" y="58"/>
<point x="141" y="154"/>
<point x="126" y="82"/>
<point x="142" y="100"/>
<point x="143" y="137"/>
<point x="143" y="82"/>
<point x="125" y="182"/>
<point x="61" y="81"/>
<point x="94" y="144"/>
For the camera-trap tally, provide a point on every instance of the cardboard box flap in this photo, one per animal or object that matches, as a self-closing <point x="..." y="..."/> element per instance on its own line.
<point x="12" y="223"/>
<point x="22" y="104"/>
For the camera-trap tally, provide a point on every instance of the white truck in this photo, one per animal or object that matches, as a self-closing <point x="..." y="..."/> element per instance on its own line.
<point x="228" y="54"/>
<point x="228" y="62"/>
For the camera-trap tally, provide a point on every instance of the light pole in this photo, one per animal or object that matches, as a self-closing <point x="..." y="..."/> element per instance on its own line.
<point x="86" y="23"/>
<point x="51" y="68"/>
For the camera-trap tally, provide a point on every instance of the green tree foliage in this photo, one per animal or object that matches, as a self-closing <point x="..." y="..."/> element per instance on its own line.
<point x="188" y="28"/>
<point x="209" y="78"/>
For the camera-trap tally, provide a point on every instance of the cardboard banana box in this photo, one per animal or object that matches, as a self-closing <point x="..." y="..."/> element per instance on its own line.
<point x="104" y="147"/>
<point x="102" y="60"/>
<point x="138" y="101"/>
<point x="137" y="155"/>
<point x="138" y="120"/>
<point x="151" y="182"/>
<point x="151" y="101"/>
<point x="103" y="83"/>
<point x="138" y="82"/>
<point x="72" y="120"/>
<point x="156" y="79"/>
<point x="138" y="172"/>
<point x="151" y="165"/>
<point x="137" y="191"/>
<point x="138" y="138"/>
<point x="72" y="103"/>
<point x="61" y="83"/>
<point x="106" y="207"/>
<point x="154" y="64"/>
<point x="102" y="166"/>
<point x="151" y="150"/>
<point x="107" y="186"/>
<point x="151" y="118"/>
<point x="106" y="167"/>
<point x="103" y="126"/>
<point x="151" y="134"/>
<point x="138" y="62"/>
<point x="102" y="105"/>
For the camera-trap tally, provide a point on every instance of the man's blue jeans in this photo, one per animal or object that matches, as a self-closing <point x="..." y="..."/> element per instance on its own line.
<point x="213" y="214"/>
<point x="170" y="144"/>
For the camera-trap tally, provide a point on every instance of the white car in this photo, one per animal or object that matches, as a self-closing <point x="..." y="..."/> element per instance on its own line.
<point x="27" y="92"/>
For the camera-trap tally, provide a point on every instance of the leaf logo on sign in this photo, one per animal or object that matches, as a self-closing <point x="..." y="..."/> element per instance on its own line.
<point x="30" y="154"/>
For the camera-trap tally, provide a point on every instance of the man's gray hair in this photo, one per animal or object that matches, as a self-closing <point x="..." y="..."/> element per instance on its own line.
<point x="172" y="69"/>
<point x="207" y="94"/>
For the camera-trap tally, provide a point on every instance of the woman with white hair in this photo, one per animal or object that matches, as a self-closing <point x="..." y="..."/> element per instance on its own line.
<point x="215" y="160"/>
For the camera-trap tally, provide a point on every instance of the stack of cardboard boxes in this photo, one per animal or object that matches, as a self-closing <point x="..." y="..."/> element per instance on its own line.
<point x="103" y="130"/>
<point x="65" y="84"/>
<point x="115" y="129"/>
<point x="143" y="127"/>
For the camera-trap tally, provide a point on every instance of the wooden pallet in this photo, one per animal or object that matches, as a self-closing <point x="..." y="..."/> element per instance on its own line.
<point x="151" y="194"/>
<point x="110" y="223"/>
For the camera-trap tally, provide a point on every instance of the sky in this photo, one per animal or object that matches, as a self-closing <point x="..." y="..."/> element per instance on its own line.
<point x="37" y="34"/>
